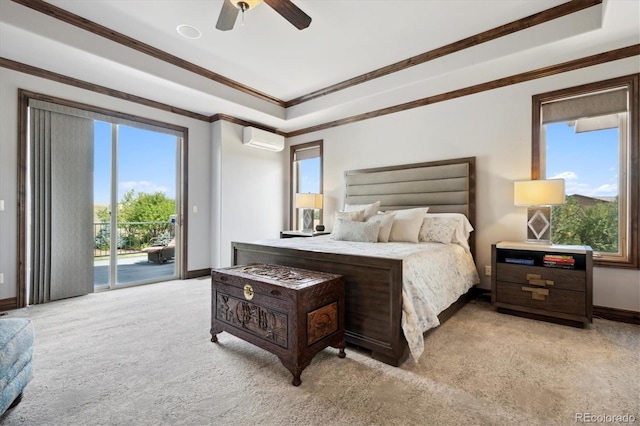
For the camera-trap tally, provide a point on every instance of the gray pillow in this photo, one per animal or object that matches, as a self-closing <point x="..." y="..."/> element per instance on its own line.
<point x="354" y="215"/>
<point x="462" y="228"/>
<point x="437" y="230"/>
<point x="346" y="230"/>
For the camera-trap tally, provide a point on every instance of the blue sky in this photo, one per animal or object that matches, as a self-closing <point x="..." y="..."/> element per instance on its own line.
<point x="587" y="161"/>
<point x="147" y="162"/>
<point x="309" y="176"/>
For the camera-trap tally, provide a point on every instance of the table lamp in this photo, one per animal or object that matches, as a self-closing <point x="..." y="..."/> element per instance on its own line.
<point x="308" y="203"/>
<point x="539" y="196"/>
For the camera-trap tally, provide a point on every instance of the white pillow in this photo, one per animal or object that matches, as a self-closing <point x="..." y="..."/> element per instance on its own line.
<point x="346" y="230"/>
<point x="406" y="224"/>
<point x="462" y="228"/>
<point x="369" y="209"/>
<point x="386" y="221"/>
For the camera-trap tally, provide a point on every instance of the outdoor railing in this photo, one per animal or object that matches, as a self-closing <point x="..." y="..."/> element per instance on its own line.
<point x="132" y="237"/>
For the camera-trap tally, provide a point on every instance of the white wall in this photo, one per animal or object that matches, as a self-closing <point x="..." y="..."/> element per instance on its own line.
<point x="199" y="253"/>
<point x="251" y="185"/>
<point x="493" y="126"/>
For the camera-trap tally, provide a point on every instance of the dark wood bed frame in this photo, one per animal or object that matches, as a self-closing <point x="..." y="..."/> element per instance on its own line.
<point x="374" y="285"/>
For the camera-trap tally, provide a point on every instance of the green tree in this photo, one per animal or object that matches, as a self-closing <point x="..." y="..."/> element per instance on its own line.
<point x="143" y="207"/>
<point x="103" y="214"/>
<point x="596" y="226"/>
<point x="600" y="227"/>
<point x="566" y="222"/>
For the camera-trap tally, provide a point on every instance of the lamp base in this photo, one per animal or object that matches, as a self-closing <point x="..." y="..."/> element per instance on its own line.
<point x="539" y="225"/>
<point x="307" y="220"/>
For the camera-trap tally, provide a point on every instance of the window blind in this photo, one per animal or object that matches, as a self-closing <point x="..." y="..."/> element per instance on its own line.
<point x="605" y="103"/>
<point x="306" y="153"/>
<point x="92" y="115"/>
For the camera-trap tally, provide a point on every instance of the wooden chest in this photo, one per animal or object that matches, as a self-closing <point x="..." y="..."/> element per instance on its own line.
<point x="292" y="313"/>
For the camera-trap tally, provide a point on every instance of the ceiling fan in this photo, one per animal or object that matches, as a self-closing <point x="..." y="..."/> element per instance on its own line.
<point x="285" y="8"/>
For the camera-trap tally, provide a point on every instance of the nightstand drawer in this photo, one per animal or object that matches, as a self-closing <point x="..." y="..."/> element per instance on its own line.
<point x="556" y="278"/>
<point x="548" y="299"/>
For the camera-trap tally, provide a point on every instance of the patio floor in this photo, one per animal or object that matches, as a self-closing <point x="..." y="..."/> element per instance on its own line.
<point x="133" y="269"/>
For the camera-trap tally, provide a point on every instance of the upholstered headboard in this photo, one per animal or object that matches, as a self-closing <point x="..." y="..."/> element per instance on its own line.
<point x="446" y="186"/>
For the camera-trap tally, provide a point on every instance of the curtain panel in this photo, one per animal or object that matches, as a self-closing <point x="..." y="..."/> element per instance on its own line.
<point x="60" y="205"/>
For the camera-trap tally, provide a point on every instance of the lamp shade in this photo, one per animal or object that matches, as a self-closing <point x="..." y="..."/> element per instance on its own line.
<point x="538" y="192"/>
<point x="309" y="201"/>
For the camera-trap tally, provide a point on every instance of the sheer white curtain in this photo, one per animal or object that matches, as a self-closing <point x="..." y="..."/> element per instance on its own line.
<point x="60" y="206"/>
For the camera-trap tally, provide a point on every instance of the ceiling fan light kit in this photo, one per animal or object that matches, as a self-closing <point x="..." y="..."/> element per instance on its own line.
<point x="285" y="8"/>
<point x="246" y="4"/>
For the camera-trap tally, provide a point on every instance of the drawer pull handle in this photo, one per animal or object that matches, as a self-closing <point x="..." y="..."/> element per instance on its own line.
<point x="276" y="292"/>
<point x="541" y="282"/>
<point x="536" y="279"/>
<point x="537" y="293"/>
<point x="248" y="292"/>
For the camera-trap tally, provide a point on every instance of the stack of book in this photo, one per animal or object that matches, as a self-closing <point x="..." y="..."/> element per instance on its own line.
<point x="559" y="261"/>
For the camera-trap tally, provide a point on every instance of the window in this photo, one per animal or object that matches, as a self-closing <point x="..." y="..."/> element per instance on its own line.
<point x="306" y="177"/>
<point x="588" y="135"/>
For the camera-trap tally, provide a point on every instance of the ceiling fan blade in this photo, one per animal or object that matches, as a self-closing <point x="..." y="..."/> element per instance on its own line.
<point x="228" y="15"/>
<point x="290" y="12"/>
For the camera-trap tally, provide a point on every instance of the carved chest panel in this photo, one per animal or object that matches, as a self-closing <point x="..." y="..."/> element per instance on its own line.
<point x="293" y="313"/>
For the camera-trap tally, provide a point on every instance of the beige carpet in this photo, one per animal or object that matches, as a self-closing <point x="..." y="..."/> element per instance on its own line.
<point x="142" y="356"/>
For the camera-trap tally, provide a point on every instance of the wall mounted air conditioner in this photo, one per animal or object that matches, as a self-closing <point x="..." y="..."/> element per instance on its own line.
<point x="262" y="139"/>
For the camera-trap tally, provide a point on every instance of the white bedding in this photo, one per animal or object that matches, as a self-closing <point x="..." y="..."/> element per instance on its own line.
<point x="434" y="276"/>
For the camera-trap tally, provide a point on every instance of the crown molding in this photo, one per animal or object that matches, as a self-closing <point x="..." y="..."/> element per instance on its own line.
<point x="564" y="9"/>
<point x="597" y="59"/>
<point x="102" y="31"/>
<point x="53" y="76"/>
<point x="547" y="15"/>
<point x="588" y="61"/>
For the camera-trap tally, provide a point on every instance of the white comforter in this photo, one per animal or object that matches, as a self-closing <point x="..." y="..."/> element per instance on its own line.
<point x="434" y="276"/>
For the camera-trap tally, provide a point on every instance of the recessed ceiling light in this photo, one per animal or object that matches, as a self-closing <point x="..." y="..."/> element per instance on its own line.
<point x="189" y="31"/>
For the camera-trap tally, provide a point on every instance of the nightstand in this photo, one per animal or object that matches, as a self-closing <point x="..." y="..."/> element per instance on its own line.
<point x="546" y="282"/>
<point x="293" y="234"/>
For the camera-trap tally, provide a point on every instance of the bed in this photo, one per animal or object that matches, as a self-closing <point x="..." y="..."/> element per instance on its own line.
<point x="377" y="282"/>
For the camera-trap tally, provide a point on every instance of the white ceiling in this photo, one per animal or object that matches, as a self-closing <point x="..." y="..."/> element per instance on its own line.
<point x="346" y="38"/>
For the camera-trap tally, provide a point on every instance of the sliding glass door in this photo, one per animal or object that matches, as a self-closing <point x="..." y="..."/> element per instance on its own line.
<point x="136" y="231"/>
<point x="101" y="202"/>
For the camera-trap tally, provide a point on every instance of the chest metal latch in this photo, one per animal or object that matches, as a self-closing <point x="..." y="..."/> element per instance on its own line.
<point x="248" y="292"/>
